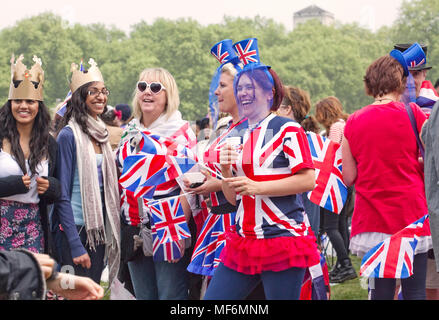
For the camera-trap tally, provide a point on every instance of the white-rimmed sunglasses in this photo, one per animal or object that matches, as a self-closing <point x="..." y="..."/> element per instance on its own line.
<point x="155" y="87"/>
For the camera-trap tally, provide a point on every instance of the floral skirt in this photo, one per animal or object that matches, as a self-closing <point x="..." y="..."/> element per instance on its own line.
<point x="20" y="226"/>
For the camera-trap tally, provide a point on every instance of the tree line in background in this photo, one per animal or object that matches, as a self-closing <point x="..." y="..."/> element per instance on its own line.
<point x="324" y="60"/>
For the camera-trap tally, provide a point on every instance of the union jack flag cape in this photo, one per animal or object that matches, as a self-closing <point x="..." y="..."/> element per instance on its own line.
<point x="393" y="258"/>
<point x="155" y="166"/>
<point x="141" y="155"/>
<point x="330" y="191"/>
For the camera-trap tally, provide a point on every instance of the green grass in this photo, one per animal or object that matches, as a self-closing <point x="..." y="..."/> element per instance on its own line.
<point x="355" y="289"/>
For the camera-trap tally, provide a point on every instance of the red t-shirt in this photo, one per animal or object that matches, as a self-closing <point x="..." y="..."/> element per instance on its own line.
<point x="389" y="187"/>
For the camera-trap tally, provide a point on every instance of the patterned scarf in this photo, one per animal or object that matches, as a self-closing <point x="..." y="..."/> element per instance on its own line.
<point x="97" y="231"/>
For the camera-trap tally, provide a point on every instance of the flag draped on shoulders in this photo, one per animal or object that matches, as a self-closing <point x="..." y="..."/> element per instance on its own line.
<point x="152" y="159"/>
<point x="393" y="257"/>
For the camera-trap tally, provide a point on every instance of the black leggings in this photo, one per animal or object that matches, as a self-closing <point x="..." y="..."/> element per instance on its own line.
<point x="336" y="227"/>
<point x="413" y="288"/>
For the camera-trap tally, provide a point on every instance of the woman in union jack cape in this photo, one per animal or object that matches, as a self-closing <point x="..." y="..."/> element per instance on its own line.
<point x="156" y="119"/>
<point x="211" y="240"/>
<point x="380" y="156"/>
<point x="271" y="241"/>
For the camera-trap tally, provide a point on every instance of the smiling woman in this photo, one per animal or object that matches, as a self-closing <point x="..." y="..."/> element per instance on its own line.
<point x="27" y="162"/>
<point x="155" y="114"/>
<point x="88" y="210"/>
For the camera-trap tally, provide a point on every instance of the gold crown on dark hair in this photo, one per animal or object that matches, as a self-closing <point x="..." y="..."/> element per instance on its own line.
<point x="26" y="84"/>
<point x="81" y="77"/>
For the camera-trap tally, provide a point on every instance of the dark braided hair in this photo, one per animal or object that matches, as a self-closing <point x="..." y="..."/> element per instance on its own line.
<point x="39" y="142"/>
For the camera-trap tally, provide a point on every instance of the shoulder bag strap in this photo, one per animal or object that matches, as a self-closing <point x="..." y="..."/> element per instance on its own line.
<point x="415" y="128"/>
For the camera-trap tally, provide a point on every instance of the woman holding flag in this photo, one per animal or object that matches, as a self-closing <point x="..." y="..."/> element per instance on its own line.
<point x="380" y="156"/>
<point x="156" y="131"/>
<point x="329" y="113"/>
<point x="271" y="243"/>
<point x="222" y="215"/>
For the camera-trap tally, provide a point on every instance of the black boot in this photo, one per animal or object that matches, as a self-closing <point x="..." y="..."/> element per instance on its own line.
<point x="345" y="272"/>
<point x="335" y="269"/>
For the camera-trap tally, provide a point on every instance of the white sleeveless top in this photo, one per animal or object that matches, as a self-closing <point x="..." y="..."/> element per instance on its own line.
<point x="10" y="167"/>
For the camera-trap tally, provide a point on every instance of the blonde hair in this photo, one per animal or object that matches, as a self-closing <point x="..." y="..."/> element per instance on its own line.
<point x="165" y="78"/>
<point x="230" y="69"/>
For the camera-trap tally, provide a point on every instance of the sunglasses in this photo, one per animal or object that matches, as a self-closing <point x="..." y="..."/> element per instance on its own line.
<point x="155" y="87"/>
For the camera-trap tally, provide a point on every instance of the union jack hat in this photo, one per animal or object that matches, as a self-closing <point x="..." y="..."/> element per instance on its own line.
<point x="224" y="52"/>
<point x="248" y="53"/>
<point x="404" y="46"/>
<point x="412" y="58"/>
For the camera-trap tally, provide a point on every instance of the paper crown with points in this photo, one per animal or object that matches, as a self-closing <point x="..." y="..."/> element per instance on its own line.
<point x="26" y="84"/>
<point x="81" y="77"/>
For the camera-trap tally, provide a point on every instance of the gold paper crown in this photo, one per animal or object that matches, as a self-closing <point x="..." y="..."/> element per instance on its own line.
<point x="80" y="78"/>
<point x="26" y="84"/>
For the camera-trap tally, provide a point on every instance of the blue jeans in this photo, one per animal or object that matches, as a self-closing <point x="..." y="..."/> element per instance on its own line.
<point x="96" y="257"/>
<point x="160" y="280"/>
<point x="228" y="284"/>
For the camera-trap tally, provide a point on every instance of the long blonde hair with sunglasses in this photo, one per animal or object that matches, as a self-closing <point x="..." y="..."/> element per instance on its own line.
<point x="167" y="80"/>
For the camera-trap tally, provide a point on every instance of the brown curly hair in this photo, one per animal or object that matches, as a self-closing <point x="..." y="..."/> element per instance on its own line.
<point x="385" y="75"/>
<point x="300" y="103"/>
<point x="328" y="111"/>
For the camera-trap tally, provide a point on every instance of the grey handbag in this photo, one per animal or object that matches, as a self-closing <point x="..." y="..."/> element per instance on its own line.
<point x="146" y="235"/>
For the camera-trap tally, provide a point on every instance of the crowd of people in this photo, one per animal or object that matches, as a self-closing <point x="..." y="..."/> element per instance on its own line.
<point x="86" y="191"/>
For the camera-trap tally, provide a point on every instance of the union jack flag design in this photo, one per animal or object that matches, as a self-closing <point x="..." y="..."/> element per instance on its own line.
<point x="136" y="170"/>
<point x="210" y="243"/>
<point x="155" y="144"/>
<point x="315" y="285"/>
<point x="277" y="148"/>
<point x="211" y="156"/>
<point x="142" y="165"/>
<point x="247" y="51"/>
<point x="393" y="258"/>
<point x="427" y="97"/>
<point x="167" y="251"/>
<point x="219" y="52"/>
<point x="330" y="191"/>
<point x="414" y="63"/>
<point x="168" y="220"/>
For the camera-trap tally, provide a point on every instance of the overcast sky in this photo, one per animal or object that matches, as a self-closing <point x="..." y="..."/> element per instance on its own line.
<point x="124" y="13"/>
